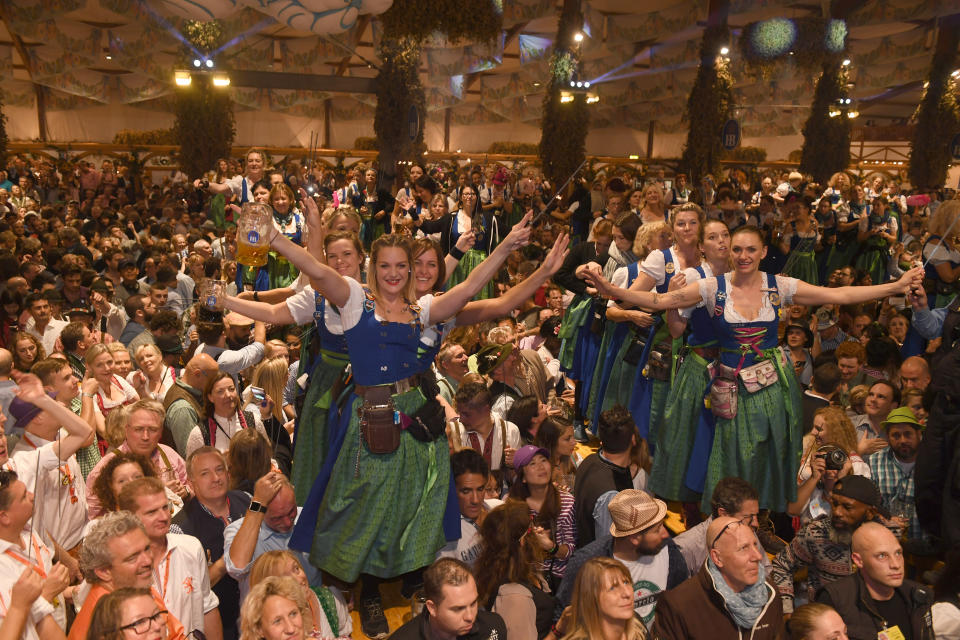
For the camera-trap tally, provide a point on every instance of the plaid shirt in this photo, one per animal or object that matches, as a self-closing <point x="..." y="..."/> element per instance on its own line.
<point x="897" y="488"/>
<point x="88" y="457"/>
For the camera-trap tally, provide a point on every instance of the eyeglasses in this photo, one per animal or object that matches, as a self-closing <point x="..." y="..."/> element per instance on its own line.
<point x="722" y="531"/>
<point x="143" y="625"/>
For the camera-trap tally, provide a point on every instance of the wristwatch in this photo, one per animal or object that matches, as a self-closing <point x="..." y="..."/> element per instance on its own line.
<point x="257" y="506"/>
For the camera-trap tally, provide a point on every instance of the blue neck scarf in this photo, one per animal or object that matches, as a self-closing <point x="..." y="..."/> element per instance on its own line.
<point x="746" y="606"/>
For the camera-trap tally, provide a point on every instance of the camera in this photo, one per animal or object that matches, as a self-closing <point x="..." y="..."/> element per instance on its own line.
<point x="833" y="457"/>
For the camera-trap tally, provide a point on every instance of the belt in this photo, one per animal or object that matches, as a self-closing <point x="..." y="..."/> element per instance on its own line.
<point x="400" y="386"/>
<point x="707" y="353"/>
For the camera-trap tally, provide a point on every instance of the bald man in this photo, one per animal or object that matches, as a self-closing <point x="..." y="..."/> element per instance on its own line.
<point x="877" y="598"/>
<point x="914" y="373"/>
<point x="710" y="604"/>
<point x="184" y="401"/>
<point x="7" y="386"/>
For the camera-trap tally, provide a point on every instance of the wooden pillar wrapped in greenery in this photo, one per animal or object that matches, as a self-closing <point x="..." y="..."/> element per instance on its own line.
<point x="406" y="25"/>
<point x="938" y="116"/>
<point x="563" y="137"/>
<point x="204" y="126"/>
<point x="709" y="104"/>
<point x="826" y="139"/>
<point x="4" y="141"/>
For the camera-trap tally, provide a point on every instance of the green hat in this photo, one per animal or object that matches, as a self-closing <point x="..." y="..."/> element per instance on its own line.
<point x="492" y="356"/>
<point x="902" y="415"/>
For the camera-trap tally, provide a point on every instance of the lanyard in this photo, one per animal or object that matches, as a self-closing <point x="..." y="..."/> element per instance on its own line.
<point x="166" y="574"/>
<point x="66" y="475"/>
<point x="38" y="567"/>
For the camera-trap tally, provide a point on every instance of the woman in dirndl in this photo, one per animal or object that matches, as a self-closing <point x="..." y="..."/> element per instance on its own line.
<point x="757" y="401"/>
<point x="826" y="219"/>
<point x="485" y="226"/>
<point x="382" y="511"/>
<point x="800" y="242"/>
<point x="941" y="255"/>
<point x="651" y="385"/>
<point x="679" y="468"/>
<point x="877" y="233"/>
<point x="849" y="211"/>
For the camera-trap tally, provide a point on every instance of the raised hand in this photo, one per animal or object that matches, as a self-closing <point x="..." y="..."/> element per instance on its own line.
<point x="466" y="241"/>
<point x="30" y="388"/>
<point x="557" y="254"/>
<point x="519" y="235"/>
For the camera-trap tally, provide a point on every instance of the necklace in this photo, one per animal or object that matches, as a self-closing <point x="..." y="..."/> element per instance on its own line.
<point x="283" y="220"/>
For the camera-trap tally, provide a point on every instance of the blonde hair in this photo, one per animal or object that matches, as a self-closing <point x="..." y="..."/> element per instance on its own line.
<point x="252" y="610"/>
<point x="95" y="352"/>
<point x="840" y="430"/>
<point x="115" y="426"/>
<point x="271" y="564"/>
<point x="661" y="205"/>
<point x="641" y="244"/>
<point x="857" y="398"/>
<point x="391" y="240"/>
<point x="140" y="350"/>
<point x="943" y="217"/>
<point x="594" y="578"/>
<point x="804" y="620"/>
<point x="271" y="376"/>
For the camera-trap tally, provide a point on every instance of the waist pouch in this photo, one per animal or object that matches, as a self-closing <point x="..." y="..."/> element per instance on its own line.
<point x="429" y="422"/>
<point x="638" y="343"/>
<point x="660" y="362"/>
<point x="759" y="376"/>
<point x="723" y="398"/>
<point x="379" y="421"/>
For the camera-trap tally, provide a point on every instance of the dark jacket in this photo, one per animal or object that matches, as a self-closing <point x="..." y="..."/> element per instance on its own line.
<point x="850" y="598"/>
<point x="581" y="253"/>
<point x="603" y="548"/>
<point x="695" y="610"/>
<point x="487" y="626"/>
<point x="595" y="476"/>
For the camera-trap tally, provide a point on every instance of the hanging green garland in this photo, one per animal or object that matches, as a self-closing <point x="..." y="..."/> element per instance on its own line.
<point x="456" y="20"/>
<point x="809" y="43"/>
<point x="563" y="138"/>
<point x="937" y="117"/>
<point x="826" y="139"/>
<point x="4" y="141"/>
<point x="708" y="107"/>
<point x="204" y="125"/>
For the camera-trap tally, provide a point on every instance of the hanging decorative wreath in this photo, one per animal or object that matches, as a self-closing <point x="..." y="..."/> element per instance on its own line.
<point x="809" y="43"/>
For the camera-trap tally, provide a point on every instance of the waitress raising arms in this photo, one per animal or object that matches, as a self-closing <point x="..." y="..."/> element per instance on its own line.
<point x="755" y="397"/>
<point x="381" y="513"/>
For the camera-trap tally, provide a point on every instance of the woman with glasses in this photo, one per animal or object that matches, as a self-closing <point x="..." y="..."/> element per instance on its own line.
<point x="130" y="614"/>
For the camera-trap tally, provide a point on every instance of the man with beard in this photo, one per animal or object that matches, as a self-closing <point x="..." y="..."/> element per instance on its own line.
<point x="823" y="545"/>
<point x="129" y="285"/>
<point x="642" y="543"/>
<point x="892" y="468"/>
<point x="140" y="310"/>
<point x="234" y="341"/>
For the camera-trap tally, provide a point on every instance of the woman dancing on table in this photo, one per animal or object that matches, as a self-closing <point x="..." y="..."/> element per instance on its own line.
<point x="380" y="516"/>
<point x="757" y="403"/>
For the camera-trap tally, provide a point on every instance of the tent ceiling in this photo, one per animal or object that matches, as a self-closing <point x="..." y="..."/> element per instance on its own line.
<point x="89" y="52"/>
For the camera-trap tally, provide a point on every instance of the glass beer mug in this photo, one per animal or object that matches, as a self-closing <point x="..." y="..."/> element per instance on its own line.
<point x="211" y="294"/>
<point x="254" y="230"/>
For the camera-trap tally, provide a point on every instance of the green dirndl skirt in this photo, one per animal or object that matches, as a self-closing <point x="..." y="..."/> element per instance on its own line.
<point x="310" y="449"/>
<point x="841" y="255"/>
<point x="382" y="515"/>
<point x="675" y="443"/>
<point x="605" y="345"/>
<point x="470" y="260"/>
<point x="281" y="271"/>
<point x="620" y="385"/>
<point x="802" y="265"/>
<point x="577" y="315"/>
<point x="762" y="443"/>
<point x="873" y="259"/>
<point x="659" y="395"/>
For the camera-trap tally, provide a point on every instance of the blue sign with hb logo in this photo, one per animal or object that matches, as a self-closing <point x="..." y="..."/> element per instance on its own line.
<point x="730" y="134"/>
<point x="955" y="147"/>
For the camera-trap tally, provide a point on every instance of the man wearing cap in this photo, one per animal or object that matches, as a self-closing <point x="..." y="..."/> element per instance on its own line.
<point x="129" y="285"/>
<point x="184" y="401"/>
<point x="515" y="372"/>
<point x="642" y="543"/>
<point x="877" y="598"/>
<point x="892" y="468"/>
<point x="823" y="544"/>
<point x="728" y="598"/>
<point x="831" y="335"/>
<point x="45" y="461"/>
<point x="42" y="324"/>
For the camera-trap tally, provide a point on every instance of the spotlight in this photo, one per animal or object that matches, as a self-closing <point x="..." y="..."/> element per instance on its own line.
<point x="846" y="62"/>
<point x="197" y="63"/>
<point x="853" y="114"/>
<point x="108" y="57"/>
<point x="221" y="80"/>
<point x="593" y="98"/>
<point x="586" y="85"/>
<point x="956" y="73"/>
<point x="724" y="50"/>
<point x="578" y="36"/>
<point x="634" y="156"/>
<point x="566" y="97"/>
<point x="182" y="78"/>
<point x="209" y="63"/>
<point x="572" y="83"/>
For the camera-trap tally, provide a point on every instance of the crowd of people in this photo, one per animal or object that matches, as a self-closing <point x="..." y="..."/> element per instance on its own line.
<point x="634" y="408"/>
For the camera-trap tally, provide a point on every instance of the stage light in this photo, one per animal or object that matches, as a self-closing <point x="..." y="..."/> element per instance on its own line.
<point x="724" y="50"/>
<point x="578" y="36"/>
<point x="586" y="85"/>
<point x="853" y="114"/>
<point x="634" y="156"/>
<point x="182" y="78"/>
<point x="846" y="62"/>
<point x="197" y="63"/>
<point x="209" y="63"/>
<point x="566" y="97"/>
<point x="221" y="80"/>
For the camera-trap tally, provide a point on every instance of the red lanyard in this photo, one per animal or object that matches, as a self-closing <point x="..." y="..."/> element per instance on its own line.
<point x="65" y="473"/>
<point x="166" y="573"/>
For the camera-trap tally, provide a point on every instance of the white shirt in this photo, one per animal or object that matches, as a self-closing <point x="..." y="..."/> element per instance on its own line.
<point x="352" y="310"/>
<point x="499" y="426"/>
<point x="649" y="577"/>
<point x="10" y="569"/>
<point x="55" y="513"/>
<point x="183" y="581"/>
<point x="50" y="333"/>
<point x="303" y="305"/>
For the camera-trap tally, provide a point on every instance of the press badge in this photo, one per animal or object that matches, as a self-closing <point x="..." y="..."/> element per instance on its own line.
<point x="891" y="633"/>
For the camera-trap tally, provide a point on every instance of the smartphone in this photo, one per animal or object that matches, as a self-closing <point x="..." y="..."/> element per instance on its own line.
<point x="258" y="394"/>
